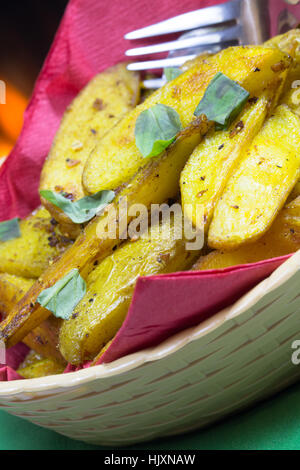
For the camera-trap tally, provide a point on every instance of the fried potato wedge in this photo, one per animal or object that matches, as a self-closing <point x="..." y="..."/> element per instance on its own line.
<point x="290" y="44"/>
<point x="97" y="108"/>
<point x="211" y="164"/>
<point x="41" y="368"/>
<point x="40" y="242"/>
<point x="282" y="239"/>
<point x="260" y="185"/>
<point x="110" y="286"/>
<point x="116" y="158"/>
<point x="156" y="182"/>
<point x="12" y="289"/>
<point x="44" y="338"/>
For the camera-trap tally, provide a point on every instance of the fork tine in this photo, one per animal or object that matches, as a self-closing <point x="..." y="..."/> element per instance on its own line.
<point x="161" y="63"/>
<point x="194" y="19"/>
<point x="224" y="35"/>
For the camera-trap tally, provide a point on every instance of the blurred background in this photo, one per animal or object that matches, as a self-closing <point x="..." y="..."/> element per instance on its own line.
<point x="27" y="29"/>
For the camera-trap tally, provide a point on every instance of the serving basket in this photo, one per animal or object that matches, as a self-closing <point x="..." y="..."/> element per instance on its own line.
<point x="237" y="357"/>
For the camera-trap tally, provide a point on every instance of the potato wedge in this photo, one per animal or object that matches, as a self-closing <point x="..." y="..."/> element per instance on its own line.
<point x="40" y="242"/>
<point x="97" y="108"/>
<point x="12" y="289"/>
<point x="260" y="185"/>
<point x="41" y="368"/>
<point x="116" y="158"/>
<point x="211" y="164"/>
<point x="283" y="238"/>
<point x="44" y="338"/>
<point x="110" y="286"/>
<point x="156" y="182"/>
<point x="290" y="44"/>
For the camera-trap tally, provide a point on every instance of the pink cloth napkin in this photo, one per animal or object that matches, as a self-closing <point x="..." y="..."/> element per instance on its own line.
<point x="90" y="39"/>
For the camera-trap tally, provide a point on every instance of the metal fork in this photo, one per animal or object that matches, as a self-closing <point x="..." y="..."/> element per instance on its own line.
<point x="210" y="29"/>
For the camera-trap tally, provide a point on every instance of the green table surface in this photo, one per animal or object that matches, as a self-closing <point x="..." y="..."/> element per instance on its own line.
<point x="273" y="424"/>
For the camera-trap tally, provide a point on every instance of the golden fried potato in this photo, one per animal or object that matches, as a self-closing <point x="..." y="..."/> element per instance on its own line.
<point x="116" y="158"/>
<point x="12" y="289"/>
<point x="156" y="182"/>
<point x="40" y="242"/>
<point x="110" y="286"/>
<point x="260" y="185"/>
<point x="44" y="338"/>
<point x="282" y="239"/>
<point x="41" y="368"/>
<point x="97" y="108"/>
<point x="290" y="44"/>
<point x="211" y="164"/>
<point x="103" y="350"/>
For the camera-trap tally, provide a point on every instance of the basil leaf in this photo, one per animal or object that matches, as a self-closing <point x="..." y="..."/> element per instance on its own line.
<point x="171" y="73"/>
<point x="9" y="230"/>
<point x="64" y="296"/>
<point x="155" y="129"/>
<point x="223" y="101"/>
<point x="84" y="209"/>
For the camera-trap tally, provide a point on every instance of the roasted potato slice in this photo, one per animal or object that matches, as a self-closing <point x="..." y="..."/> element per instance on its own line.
<point x="44" y="338"/>
<point x="157" y="181"/>
<point x="260" y="185"/>
<point x="12" y="289"/>
<point x="110" y="286"/>
<point x="211" y="164"/>
<point x="97" y="108"/>
<point x="283" y="238"/>
<point x="41" y="368"/>
<point x="40" y="242"/>
<point x="116" y="158"/>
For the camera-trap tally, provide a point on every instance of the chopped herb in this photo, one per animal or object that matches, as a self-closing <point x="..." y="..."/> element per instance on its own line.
<point x="156" y="128"/>
<point x="64" y="295"/>
<point x="223" y="101"/>
<point x="171" y="73"/>
<point x="9" y="230"/>
<point x="84" y="209"/>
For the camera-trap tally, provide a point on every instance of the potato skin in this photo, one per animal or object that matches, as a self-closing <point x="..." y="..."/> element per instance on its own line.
<point x="116" y="158"/>
<point x="97" y="108"/>
<point x="283" y="238"/>
<point x="260" y="185"/>
<point x="100" y="314"/>
<point x="40" y="242"/>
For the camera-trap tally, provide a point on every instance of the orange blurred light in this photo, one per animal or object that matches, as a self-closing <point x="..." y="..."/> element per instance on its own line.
<point x="11" y="113"/>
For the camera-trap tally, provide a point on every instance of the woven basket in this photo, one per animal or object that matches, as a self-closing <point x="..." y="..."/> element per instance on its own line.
<point x="237" y="357"/>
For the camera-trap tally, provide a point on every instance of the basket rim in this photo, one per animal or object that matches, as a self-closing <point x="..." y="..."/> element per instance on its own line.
<point x="63" y="382"/>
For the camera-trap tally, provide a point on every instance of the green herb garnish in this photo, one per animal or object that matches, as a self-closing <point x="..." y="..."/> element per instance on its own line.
<point x="171" y="73"/>
<point x="223" y="101"/>
<point x="64" y="296"/>
<point x="155" y="129"/>
<point x="9" y="230"/>
<point x="84" y="209"/>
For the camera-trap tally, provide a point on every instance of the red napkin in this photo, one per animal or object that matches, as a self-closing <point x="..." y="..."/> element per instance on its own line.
<point x="90" y="39"/>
